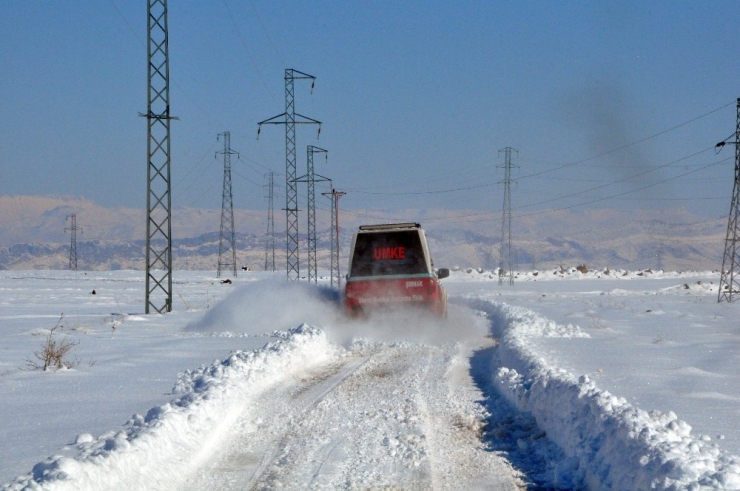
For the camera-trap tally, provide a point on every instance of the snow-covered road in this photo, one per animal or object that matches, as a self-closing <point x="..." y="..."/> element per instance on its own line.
<point x="388" y="417"/>
<point x="302" y="413"/>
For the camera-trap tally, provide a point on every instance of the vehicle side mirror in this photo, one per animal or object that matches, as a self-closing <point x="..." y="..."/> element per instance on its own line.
<point x="443" y="273"/>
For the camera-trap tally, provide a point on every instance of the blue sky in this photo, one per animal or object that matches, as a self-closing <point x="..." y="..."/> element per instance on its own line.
<point x="417" y="99"/>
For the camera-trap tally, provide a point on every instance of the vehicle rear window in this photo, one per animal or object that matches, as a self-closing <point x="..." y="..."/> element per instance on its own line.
<point x="388" y="253"/>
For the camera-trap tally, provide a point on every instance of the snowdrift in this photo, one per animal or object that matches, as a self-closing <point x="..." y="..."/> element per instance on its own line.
<point x="150" y="452"/>
<point x="609" y="443"/>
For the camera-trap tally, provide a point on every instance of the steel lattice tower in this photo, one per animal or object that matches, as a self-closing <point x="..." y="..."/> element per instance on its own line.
<point x="158" y="195"/>
<point x="73" y="241"/>
<point x="270" y="242"/>
<point x="729" y="283"/>
<point x="288" y="118"/>
<point x="311" y="178"/>
<point x="334" y="196"/>
<point x="506" y="262"/>
<point x="227" y="240"/>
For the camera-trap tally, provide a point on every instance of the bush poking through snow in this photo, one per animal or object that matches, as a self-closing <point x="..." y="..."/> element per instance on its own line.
<point x="596" y="323"/>
<point x="54" y="351"/>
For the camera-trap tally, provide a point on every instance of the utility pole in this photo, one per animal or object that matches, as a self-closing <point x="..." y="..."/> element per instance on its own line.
<point x="288" y="118"/>
<point x="227" y="240"/>
<point x="73" y="241"/>
<point x="270" y="242"/>
<point x="337" y="195"/>
<point x="729" y="283"/>
<point x="334" y="263"/>
<point x="505" y="259"/>
<point x="158" y="185"/>
<point x="334" y="196"/>
<point x="311" y="178"/>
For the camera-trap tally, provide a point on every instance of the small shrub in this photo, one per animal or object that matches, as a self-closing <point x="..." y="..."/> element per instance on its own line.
<point x="54" y="351"/>
<point x="596" y="322"/>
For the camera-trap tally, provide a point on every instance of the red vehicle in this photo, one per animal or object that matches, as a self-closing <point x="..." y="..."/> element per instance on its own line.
<point x="390" y="265"/>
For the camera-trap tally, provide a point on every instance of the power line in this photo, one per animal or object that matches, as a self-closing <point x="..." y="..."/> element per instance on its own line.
<point x="373" y="215"/>
<point x="248" y="179"/>
<point x="611" y="183"/>
<point x="600" y="187"/>
<point x="707" y="198"/>
<point x="628" y="144"/>
<point x="208" y="191"/>
<point x="125" y="21"/>
<point x="267" y="33"/>
<point x="553" y="210"/>
<point x="247" y="161"/>
<point x="197" y="164"/>
<point x="187" y="95"/>
<point x="249" y="54"/>
<point x="647" y="186"/>
<point x="546" y="171"/>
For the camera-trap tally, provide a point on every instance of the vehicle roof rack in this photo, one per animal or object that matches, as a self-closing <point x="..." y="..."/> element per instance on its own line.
<point x="390" y="226"/>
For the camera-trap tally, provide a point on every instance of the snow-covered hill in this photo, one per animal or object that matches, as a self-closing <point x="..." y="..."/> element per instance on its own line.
<point x="32" y="237"/>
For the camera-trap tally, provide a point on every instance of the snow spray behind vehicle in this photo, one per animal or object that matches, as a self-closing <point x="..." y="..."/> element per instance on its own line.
<point x="390" y="265"/>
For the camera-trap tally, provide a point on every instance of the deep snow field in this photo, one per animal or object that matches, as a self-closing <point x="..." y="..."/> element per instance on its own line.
<point x="565" y="380"/>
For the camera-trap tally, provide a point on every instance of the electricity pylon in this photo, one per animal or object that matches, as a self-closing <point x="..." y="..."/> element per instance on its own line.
<point x="227" y="240"/>
<point x="158" y="185"/>
<point x="270" y="238"/>
<point x="505" y="259"/>
<point x="73" y="241"/>
<point x="288" y="118"/>
<point x="729" y="283"/>
<point x="334" y="196"/>
<point x="311" y="178"/>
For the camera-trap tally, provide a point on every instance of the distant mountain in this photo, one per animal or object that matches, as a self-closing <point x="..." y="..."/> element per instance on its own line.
<point x="27" y="219"/>
<point x="32" y="236"/>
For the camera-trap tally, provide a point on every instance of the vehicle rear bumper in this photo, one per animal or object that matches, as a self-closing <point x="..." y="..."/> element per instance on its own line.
<point x="372" y="293"/>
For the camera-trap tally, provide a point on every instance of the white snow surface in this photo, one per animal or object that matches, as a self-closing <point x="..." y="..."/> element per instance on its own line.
<point x="154" y="451"/>
<point x="610" y="443"/>
<point x="565" y="380"/>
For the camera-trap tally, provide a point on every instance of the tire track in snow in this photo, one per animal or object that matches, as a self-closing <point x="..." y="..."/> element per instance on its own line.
<point x="402" y="416"/>
<point x="347" y="428"/>
<point x="259" y="434"/>
<point x="308" y="398"/>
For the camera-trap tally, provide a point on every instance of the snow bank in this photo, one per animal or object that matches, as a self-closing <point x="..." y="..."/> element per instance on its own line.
<point x="610" y="443"/>
<point x="151" y="451"/>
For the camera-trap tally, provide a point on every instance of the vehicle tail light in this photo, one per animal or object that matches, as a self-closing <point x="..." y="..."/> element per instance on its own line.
<point x="431" y="286"/>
